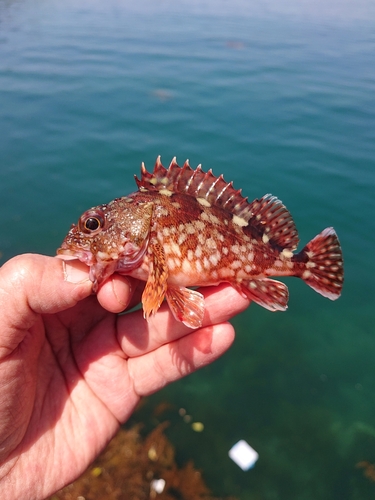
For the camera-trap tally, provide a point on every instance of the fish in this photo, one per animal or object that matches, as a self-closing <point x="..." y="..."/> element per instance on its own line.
<point x="185" y="228"/>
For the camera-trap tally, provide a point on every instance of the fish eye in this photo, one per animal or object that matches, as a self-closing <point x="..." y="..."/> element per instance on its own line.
<point x="91" y="222"/>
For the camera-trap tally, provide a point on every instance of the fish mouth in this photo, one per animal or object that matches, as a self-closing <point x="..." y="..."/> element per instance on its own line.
<point x="66" y="251"/>
<point x="84" y="256"/>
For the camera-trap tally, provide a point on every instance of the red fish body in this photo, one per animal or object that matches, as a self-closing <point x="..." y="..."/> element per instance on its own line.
<point x="185" y="228"/>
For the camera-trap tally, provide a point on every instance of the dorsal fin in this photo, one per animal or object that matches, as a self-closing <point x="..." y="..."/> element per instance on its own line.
<point x="185" y="180"/>
<point x="268" y="215"/>
<point x="278" y="226"/>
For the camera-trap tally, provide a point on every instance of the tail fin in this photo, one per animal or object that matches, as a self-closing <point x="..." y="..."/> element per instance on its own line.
<point x="323" y="270"/>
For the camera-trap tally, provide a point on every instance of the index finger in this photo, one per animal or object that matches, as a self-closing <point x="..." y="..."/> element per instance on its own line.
<point x="138" y="336"/>
<point x="119" y="293"/>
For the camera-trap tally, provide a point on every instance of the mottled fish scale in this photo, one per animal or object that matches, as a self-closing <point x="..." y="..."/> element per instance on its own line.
<point x="185" y="228"/>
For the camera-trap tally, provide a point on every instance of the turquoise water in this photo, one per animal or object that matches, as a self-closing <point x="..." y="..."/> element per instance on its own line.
<point x="278" y="99"/>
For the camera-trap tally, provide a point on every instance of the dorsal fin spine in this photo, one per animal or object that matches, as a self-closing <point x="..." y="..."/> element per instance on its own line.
<point x="227" y="185"/>
<point x="173" y="162"/>
<point x="213" y="184"/>
<point x="202" y="191"/>
<point x="190" y="179"/>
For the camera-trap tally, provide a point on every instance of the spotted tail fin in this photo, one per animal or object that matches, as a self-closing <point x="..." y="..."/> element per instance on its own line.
<point x="323" y="269"/>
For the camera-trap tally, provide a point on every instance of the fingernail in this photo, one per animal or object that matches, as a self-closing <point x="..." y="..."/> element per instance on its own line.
<point x="75" y="271"/>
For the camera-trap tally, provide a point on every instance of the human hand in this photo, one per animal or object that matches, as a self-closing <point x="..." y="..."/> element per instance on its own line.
<point x="72" y="369"/>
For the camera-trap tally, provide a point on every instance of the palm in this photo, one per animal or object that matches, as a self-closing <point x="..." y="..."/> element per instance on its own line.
<point x="62" y="392"/>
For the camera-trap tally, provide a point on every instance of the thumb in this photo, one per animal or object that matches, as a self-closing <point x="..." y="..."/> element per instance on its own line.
<point x="32" y="283"/>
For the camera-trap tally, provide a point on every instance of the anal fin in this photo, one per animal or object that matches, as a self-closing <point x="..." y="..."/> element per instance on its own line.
<point x="186" y="305"/>
<point x="268" y="293"/>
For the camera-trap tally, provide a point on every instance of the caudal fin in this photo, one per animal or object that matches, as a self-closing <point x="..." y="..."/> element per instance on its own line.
<point x="323" y="270"/>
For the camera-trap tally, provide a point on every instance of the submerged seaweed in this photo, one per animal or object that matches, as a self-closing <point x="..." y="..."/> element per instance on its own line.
<point x="129" y="469"/>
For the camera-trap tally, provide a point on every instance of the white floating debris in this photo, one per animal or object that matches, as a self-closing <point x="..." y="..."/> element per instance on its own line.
<point x="243" y="455"/>
<point x="158" y="485"/>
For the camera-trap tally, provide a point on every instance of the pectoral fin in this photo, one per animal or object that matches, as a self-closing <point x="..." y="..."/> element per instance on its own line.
<point x="186" y="305"/>
<point x="156" y="286"/>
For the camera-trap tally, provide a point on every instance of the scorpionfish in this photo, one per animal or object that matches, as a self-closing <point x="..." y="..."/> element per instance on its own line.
<point x="187" y="228"/>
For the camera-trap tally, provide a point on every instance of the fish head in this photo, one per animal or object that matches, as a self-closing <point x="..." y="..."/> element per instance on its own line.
<point x="109" y="238"/>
